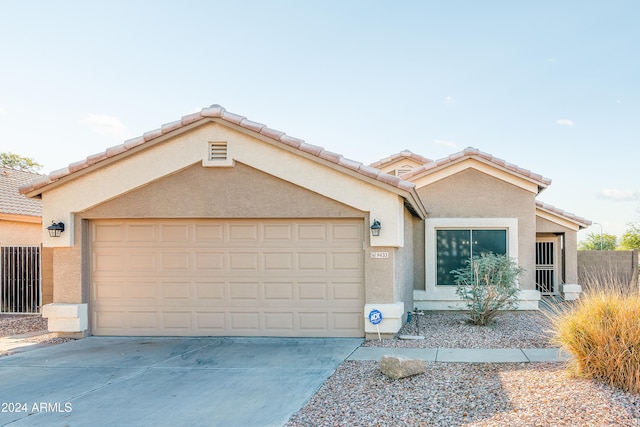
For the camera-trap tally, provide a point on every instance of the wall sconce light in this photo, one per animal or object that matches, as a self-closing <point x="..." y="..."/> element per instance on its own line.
<point x="55" y="229"/>
<point x="375" y="228"/>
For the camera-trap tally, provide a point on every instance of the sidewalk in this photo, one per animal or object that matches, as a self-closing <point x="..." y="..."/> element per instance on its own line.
<point x="464" y="355"/>
<point x="19" y="343"/>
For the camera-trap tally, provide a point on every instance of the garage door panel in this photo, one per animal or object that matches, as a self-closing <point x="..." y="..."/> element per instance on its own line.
<point x="233" y="277"/>
<point x="213" y="322"/>
<point x="215" y="291"/>
<point x="278" y="232"/>
<point x="140" y="233"/>
<point x="209" y="261"/>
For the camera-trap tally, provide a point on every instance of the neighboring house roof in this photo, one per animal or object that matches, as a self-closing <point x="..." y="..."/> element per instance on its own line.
<point x="404" y="154"/>
<point x="11" y="201"/>
<point x="218" y="113"/>
<point x="577" y="220"/>
<point x="474" y="153"/>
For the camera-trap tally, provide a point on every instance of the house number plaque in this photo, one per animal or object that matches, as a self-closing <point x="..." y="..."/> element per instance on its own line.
<point x="379" y="254"/>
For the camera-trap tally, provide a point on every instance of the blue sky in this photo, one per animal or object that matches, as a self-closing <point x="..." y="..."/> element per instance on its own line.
<point x="549" y="86"/>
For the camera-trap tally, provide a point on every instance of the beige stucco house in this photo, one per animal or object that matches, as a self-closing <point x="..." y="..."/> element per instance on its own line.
<point x="218" y="225"/>
<point x="20" y="242"/>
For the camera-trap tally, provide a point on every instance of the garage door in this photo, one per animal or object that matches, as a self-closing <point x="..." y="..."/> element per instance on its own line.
<point x="232" y="277"/>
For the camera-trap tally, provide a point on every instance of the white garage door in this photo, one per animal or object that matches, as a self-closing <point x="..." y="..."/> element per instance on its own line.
<point x="227" y="277"/>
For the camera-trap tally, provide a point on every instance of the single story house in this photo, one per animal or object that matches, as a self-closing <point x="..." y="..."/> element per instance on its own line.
<point x="25" y="269"/>
<point x="218" y="225"/>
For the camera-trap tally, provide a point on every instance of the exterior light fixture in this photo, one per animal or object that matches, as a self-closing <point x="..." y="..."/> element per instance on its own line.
<point x="375" y="228"/>
<point x="55" y="229"/>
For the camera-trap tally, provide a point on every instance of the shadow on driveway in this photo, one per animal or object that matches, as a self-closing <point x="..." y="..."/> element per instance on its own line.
<point x="133" y="381"/>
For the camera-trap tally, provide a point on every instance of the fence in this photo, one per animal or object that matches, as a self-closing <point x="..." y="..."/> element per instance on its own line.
<point x="614" y="267"/>
<point x="20" y="279"/>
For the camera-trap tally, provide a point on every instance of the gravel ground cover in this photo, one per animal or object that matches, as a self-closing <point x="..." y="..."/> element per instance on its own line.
<point x="19" y="324"/>
<point x="456" y="394"/>
<point x="450" y="330"/>
<point x="459" y="394"/>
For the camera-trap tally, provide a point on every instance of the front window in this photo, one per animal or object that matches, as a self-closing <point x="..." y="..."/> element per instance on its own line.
<point x="454" y="247"/>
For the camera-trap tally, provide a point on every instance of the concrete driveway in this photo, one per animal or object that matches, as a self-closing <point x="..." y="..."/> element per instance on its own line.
<point x="167" y="381"/>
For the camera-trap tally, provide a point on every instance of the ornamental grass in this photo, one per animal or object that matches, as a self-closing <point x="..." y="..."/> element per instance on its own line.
<point x="601" y="330"/>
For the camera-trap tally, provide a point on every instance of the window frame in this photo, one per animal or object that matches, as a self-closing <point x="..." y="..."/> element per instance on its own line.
<point x="434" y="224"/>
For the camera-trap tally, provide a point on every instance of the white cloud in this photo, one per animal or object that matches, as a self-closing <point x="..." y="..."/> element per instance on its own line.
<point x="3" y="111"/>
<point x="619" y="195"/>
<point x="106" y="125"/>
<point x="551" y="60"/>
<point x="445" y="143"/>
<point x="565" y="122"/>
<point x="449" y="101"/>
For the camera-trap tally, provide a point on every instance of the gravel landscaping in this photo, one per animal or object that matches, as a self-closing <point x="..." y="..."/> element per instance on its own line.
<point x="459" y="394"/>
<point x="20" y="324"/>
<point x="450" y="330"/>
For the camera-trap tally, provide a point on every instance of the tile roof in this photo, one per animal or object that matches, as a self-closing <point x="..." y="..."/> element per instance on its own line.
<point x="471" y="152"/>
<point x="404" y="154"/>
<point x="11" y="201"/>
<point x="219" y="113"/>
<point x="564" y="214"/>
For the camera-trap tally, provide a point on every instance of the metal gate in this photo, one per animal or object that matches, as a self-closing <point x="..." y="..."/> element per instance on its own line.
<point x="20" y="279"/>
<point x="545" y="267"/>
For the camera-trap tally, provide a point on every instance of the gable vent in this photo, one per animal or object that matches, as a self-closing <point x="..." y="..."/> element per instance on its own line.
<point x="218" y="151"/>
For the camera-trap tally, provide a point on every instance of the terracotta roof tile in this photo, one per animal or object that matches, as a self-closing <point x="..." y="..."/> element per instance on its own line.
<point x="348" y="163"/>
<point x="329" y="155"/>
<point x="567" y="215"/>
<point x="404" y="154"/>
<point x="114" y="151"/>
<point x="271" y="133"/>
<point x="134" y="142"/>
<point x="168" y="127"/>
<point x="152" y="134"/>
<point x="191" y="118"/>
<point x="474" y="152"/>
<point x="11" y="201"/>
<point x="251" y="125"/>
<point x="290" y="140"/>
<point x="369" y="171"/>
<point x="310" y="148"/>
<point x="214" y="111"/>
<point x="217" y="112"/>
<point x="231" y="117"/>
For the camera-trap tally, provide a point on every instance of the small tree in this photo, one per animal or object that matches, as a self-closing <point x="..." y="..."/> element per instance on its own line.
<point x="598" y="242"/>
<point x="19" y="162"/>
<point x="489" y="285"/>
<point x="631" y="238"/>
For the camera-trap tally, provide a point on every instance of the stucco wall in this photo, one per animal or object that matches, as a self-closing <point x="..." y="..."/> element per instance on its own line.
<point x="405" y="268"/>
<point x="235" y="192"/>
<point x="13" y="233"/>
<point x="166" y="155"/>
<point x="473" y="194"/>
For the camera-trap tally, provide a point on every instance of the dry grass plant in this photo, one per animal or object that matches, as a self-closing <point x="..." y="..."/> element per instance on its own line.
<point x="601" y="330"/>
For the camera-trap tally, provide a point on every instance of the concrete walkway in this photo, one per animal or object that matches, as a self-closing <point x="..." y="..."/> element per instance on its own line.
<point x="20" y="343"/>
<point x="464" y="355"/>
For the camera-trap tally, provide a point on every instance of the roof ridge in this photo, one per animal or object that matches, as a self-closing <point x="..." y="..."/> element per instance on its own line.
<point x="474" y="152"/>
<point x="216" y="111"/>
<point x="406" y="153"/>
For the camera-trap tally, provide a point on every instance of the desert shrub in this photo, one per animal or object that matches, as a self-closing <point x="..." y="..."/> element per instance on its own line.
<point x="601" y="330"/>
<point x="488" y="284"/>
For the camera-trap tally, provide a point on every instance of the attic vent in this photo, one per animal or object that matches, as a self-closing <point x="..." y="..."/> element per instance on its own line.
<point x="218" y="151"/>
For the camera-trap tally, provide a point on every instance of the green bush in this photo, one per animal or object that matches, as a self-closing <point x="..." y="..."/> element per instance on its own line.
<point x="601" y="330"/>
<point x="489" y="285"/>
